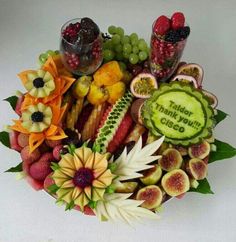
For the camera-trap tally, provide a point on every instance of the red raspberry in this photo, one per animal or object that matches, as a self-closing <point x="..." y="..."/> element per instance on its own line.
<point x="177" y="20"/>
<point x="162" y="25"/>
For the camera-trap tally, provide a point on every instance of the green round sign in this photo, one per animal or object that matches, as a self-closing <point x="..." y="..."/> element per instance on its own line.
<point x="180" y="112"/>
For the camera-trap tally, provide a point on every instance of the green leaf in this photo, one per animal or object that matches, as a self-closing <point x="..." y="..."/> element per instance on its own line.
<point x="54" y="166"/>
<point x="52" y="188"/>
<point x="203" y="187"/>
<point x="70" y="206"/>
<point x="4" y="139"/>
<point x="17" y="168"/>
<point x="220" y="116"/>
<point x="223" y="151"/>
<point x="12" y="100"/>
<point x="92" y="204"/>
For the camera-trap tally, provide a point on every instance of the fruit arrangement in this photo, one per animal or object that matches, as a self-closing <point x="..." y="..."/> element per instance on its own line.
<point x="117" y="143"/>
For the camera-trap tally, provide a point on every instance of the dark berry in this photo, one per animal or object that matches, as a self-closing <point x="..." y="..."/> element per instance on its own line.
<point x="64" y="151"/>
<point x="184" y="32"/>
<point x="86" y="36"/>
<point x="83" y="178"/>
<point x="38" y="82"/>
<point x="37" y="116"/>
<point x="88" y="24"/>
<point x="172" y="36"/>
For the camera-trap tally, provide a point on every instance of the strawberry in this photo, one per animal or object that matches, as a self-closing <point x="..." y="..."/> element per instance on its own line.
<point x="177" y="20"/>
<point x="162" y="25"/>
<point x="121" y="133"/>
<point x="40" y="169"/>
<point x="28" y="157"/>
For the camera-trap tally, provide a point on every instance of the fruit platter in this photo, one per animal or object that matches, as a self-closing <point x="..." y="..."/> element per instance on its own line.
<point x="112" y="126"/>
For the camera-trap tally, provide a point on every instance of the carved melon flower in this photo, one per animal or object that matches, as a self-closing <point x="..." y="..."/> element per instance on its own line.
<point x="41" y="122"/>
<point x="82" y="177"/>
<point x="44" y="85"/>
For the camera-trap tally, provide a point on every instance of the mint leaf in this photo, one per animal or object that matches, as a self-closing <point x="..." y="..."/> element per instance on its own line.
<point x="4" y="139"/>
<point x="220" y="116"/>
<point x="17" y="168"/>
<point x="52" y="188"/>
<point x="70" y="206"/>
<point x="54" y="166"/>
<point x="203" y="187"/>
<point x="223" y="151"/>
<point x="12" y="100"/>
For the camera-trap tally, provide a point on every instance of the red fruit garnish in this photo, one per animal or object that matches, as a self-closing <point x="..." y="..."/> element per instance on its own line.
<point x="28" y="157"/>
<point x="56" y="152"/>
<point x="23" y="140"/>
<point x="162" y="25"/>
<point x="87" y="210"/>
<point x="13" y="135"/>
<point x="18" y="105"/>
<point x="121" y="133"/>
<point x="177" y="20"/>
<point x="40" y="169"/>
<point x="48" y="182"/>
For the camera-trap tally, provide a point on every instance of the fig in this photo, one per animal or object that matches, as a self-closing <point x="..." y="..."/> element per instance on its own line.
<point x="151" y="195"/>
<point x="182" y="150"/>
<point x="126" y="187"/>
<point x="142" y="85"/>
<point x="136" y="110"/>
<point x="211" y="98"/>
<point x="186" y="79"/>
<point x="197" y="168"/>
<point x="199" y="150"/>
<point x="175" y="182"/>
<point x="193" y="70"/>
<point x="164" y="146"/>
<point x="152" y="176"/>
<point x="171" y="159"/>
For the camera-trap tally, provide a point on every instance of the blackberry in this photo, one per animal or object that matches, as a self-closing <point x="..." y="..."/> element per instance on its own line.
<point x="37" y="116"/>
<point x="86" y="36"/>
<point x="184" y="32"/>
<point x="73" y="138"/>
<point x="88" y="24"/>
<point x="172" y="36"/>
<point x="38" y="82"/>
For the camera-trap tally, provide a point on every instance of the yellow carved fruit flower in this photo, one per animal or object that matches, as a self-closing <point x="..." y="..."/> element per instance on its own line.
<point x="82" y="177"/>
<point x="39" y="83"/>
<point x="37" y="118"/>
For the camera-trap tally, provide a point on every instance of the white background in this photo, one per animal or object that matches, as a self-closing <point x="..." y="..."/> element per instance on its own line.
<point x="28" y="28"/>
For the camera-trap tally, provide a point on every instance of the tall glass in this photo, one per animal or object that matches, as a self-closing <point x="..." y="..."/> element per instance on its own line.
<point x="164" y="56"/>
<point x="79" y="58"/>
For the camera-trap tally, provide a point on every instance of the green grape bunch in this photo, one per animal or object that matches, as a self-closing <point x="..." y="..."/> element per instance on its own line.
<point x="125" y="48"/>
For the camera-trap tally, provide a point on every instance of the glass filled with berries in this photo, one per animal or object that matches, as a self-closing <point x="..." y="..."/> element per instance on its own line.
<point x="169" y="37"/>
<point x="81" y="46"/>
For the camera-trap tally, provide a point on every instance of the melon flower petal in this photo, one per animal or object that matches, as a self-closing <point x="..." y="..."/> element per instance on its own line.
<point x="80" y="179"/>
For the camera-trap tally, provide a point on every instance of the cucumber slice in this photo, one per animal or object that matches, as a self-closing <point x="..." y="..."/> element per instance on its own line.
<point x="114" y="118"/>
<point x="180" y="112"/>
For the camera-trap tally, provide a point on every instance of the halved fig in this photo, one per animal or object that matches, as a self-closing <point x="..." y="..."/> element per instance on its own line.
<point x="182" y="150"/>
<point x="171" y="159"/>
<point x="152" y="176"/>
<point x="175" y="182"/>
<point x="151" y="195"/>
<point x="126" y="187"/>
<point x="200" y="151"/>
<point x="164" y="146"/>
<point x="186" y="79"/>
<point x="211" y="98"/>
<point x="136" y="110"/>
<point x="193" y="70"/>
<point x="143" y="84"/>
<point x="197" y="168"/>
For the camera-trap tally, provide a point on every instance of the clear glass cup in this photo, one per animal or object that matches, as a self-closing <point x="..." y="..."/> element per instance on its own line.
<point x="78" y="57"/>
<point x="164" y="56"/>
